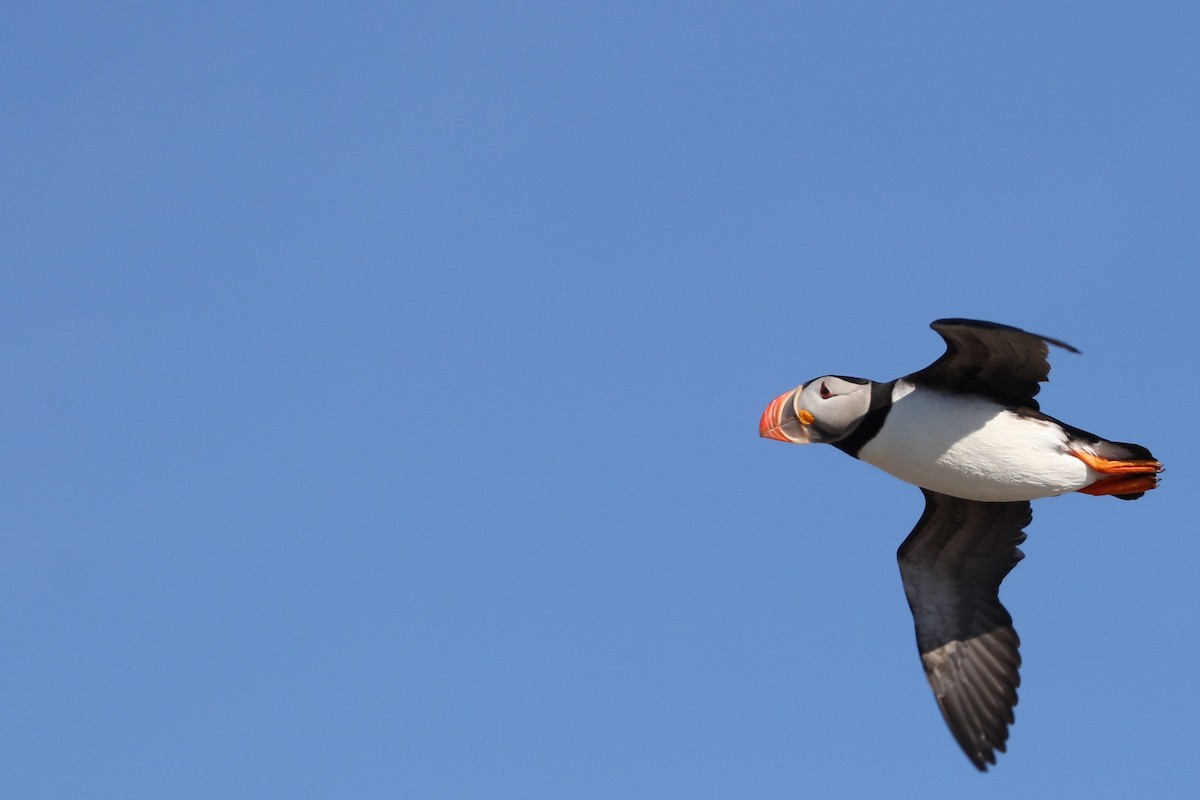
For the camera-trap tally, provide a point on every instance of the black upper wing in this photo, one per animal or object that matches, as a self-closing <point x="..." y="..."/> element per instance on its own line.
<point x="986" y="358"/>
<point x="952" y="565"/>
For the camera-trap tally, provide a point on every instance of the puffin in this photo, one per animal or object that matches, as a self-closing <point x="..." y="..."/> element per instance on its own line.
<point x="968" y="432"/>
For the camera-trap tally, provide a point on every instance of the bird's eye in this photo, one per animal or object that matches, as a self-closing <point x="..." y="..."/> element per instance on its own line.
<point x="825" y="393"/>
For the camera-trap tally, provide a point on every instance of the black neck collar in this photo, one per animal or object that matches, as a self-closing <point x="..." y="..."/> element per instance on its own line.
<point x="872" y="421"/>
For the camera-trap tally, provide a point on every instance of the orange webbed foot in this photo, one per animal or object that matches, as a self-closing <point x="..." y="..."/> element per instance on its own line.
<point x="1130" y="477"/>
<point x="1111" y="467"/>
<point x="1122" y="485"/>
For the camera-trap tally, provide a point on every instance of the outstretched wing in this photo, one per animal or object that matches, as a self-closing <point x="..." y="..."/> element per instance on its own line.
<point x="952" y="565"/>
<point x="993" y="360"/>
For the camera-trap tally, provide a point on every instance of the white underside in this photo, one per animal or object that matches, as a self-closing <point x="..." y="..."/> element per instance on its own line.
<point x="971" y="448"/>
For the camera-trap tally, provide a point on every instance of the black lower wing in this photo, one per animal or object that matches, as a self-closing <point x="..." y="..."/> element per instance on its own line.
<point x="952" y="565"/>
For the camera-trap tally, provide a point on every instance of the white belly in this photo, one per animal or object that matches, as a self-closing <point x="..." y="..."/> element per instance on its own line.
<point x="971" y="448"/>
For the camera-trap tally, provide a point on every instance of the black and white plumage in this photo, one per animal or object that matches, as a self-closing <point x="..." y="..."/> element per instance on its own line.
<point x="968" y="431"/>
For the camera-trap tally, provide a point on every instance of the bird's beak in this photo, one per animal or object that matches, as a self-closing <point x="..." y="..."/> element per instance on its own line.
<point x="781" y="420"/>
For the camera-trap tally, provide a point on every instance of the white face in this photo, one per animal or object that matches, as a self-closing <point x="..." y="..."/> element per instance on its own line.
<point x="836" y="406"/>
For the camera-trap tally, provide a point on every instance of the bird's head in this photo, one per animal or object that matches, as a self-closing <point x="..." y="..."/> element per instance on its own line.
<point x="823" y="410"/>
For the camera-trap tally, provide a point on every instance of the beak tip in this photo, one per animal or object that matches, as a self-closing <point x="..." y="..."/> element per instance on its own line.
<point x="769" y="424"/>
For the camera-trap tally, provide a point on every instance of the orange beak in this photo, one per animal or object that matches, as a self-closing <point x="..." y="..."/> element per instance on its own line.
<point x="781" y="422"/>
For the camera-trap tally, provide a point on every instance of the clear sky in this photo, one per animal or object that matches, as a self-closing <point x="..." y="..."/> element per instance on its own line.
<point x="381" y="389"/>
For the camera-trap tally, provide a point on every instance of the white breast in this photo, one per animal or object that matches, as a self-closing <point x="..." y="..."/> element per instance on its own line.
<point x="972" y="448"/>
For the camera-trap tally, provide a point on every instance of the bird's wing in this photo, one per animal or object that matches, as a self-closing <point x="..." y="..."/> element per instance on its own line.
<point x="993" y="360"/>
<point x="952" y="565"/>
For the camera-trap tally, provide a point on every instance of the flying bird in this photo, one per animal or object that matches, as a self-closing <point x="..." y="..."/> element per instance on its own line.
<point x="967" y="431"/>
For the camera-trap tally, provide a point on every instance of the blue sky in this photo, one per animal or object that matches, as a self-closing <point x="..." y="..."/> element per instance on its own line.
<point x="382" y="388"/>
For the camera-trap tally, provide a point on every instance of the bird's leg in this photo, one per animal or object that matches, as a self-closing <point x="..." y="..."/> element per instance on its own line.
<point x="1127" y="477"/>
<point x="1122" y="484"/>
<point x="1110" y="467"/>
